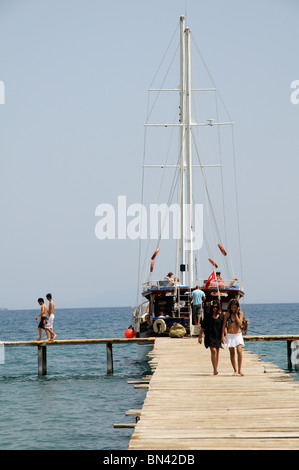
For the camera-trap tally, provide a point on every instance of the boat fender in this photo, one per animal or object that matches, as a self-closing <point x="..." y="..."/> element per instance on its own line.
<point x="222" y="249"/>
<point x="159" y="326"/>
<point x="152" y="265"/>
<point x="153" y="259"/>
<point x="213" y="263"/>
<point x="130" y="333"/>
<point x="155" y="254"/>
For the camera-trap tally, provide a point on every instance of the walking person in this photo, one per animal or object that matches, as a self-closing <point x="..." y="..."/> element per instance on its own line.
<point x="50" y="322"/>
<point x="233" y="339"/>
<point x="43" y="318"/>
<point x="211" y="326"/>
<point x="197" y="298"/>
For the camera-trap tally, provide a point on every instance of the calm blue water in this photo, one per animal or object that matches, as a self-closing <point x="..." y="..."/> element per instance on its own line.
<point x="275" y="319"/>
<point x="77" y="403"/>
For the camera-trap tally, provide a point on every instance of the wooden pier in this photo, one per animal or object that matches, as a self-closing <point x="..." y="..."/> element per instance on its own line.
<point x="42" y="348"/>
<point x="188" y="408"/>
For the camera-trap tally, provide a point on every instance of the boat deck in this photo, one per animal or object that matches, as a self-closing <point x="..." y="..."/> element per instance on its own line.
<point x="188" y="408"/>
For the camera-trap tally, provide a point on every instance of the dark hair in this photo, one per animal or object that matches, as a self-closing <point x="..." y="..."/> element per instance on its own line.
<point x="49" y="296"/>
<point x="233" y="302"/>
<point x="40" y="300"/>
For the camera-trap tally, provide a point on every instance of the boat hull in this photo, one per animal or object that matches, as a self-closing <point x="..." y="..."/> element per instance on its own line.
<point x="165" y="306"/>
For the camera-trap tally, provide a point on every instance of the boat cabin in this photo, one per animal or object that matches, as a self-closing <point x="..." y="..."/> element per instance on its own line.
<point x="172" y="305"/>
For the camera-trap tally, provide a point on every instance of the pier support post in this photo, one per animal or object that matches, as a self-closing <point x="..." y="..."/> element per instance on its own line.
<point x="289" y="351"/>
<point x="109" y="358"/>
<point x="296" y="355"/>
<point x="42" y="359"/>
<point x="293" y="355"/>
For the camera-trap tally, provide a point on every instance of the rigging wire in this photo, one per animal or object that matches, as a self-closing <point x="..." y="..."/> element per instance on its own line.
<point x="211" y="213"/>
<point x="234" y="157"/>
<point x="158" y="196"/>
<point x="148" y="113"/>
<point x="166" y="74"/>
<point x="237" y="203"/>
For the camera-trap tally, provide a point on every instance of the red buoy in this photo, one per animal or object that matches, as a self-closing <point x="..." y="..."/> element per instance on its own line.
<point x="222" y="249"/>
<point x="129" y="333"/>
<point x="213" y="263"/>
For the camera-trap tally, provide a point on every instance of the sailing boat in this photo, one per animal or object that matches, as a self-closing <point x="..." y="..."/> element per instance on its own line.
<point x="166" y="304"/>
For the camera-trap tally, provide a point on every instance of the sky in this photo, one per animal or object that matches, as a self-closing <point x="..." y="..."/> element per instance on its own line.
<point x="76" y="75"/>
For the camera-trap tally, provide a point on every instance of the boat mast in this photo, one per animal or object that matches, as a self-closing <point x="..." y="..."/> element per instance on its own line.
<point x="189" y="158"/>
<point x="186" y="155"/>
<point x="183" y="150"/>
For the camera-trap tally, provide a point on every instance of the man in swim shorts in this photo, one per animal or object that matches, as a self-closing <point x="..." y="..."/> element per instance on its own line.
<point x="43" y="318"/>
<point x="50" y="322"/>
<point x="197" y="298"/>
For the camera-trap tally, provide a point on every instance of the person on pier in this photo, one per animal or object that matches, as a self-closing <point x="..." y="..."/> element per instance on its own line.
<point x="233" y="339"/>
<point x="211" y="326"/>
<point x="50" y="321"/>
<point x="197" y="298"/>
<point x="43" y="319"/>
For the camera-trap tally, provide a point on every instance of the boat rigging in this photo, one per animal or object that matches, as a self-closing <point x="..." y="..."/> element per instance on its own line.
<point x="169" y="303"/>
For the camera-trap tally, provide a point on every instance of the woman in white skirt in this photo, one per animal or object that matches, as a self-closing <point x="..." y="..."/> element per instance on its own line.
<point x="233" y="339"/>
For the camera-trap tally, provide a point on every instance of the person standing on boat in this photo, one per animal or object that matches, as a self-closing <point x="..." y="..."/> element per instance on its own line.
<point x="211" y="326"/>
<point x="197" y="298"/>
<point x="233" y="339"/>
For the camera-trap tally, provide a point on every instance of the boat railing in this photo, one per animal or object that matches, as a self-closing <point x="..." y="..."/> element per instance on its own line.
<point x="163" y="284"/>
<point x="225" y="284"/>
<point x="153" y="285"/>
<point x="141" y="309"/>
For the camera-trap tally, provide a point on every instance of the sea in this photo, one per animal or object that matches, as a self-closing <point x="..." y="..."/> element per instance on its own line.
<point x="75" y="406"/>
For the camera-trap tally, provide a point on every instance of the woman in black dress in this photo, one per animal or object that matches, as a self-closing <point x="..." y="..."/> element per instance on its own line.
<point x="211" y="326"/>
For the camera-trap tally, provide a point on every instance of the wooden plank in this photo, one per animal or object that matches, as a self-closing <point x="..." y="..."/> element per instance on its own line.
<point x="271" y="337"/>
<point x="124" y="425"/>
<point x="73" y="342"/>
<point x="150" y="340"/>
<point x="142" y="381"/>
<point x="187" y="407"/>
<point x="133" y="412"/>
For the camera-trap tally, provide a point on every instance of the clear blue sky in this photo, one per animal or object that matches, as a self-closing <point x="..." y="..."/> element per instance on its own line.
<point x="76" y="74"/>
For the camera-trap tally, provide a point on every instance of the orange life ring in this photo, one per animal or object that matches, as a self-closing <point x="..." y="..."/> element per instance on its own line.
<point x="213" y="263"/>
<point x="155" y="254"/>
<point x="222" y="249"/>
